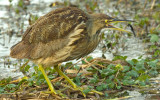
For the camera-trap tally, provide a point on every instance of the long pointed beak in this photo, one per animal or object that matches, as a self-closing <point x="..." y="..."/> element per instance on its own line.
<point x="121" y="20"/>
<point x="116" y="28"/>
<point x="116" y="20"/>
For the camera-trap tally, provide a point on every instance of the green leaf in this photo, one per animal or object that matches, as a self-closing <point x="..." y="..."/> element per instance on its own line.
<point x="111" y="77"/>
<point x="51" y="76"/>
<point x="10" y="1"/>
<point x="40" y="81"/>
<point x="83" y="62"/>
<point x="77" y="67"/>
<point x="21" y="82"/>
<point x="120" y="57"/>
<point x="128" y="82"/>
<point x="153" y="63"/>
<point x="78" y="82"/>
<point x="93" y="80"/>
<point x="154" y="38"/>
<point x="157" y="53"/>
<point x="6" y="81"/>
<point x="125" y="82"/>
<point x="12" y="91"/>
<point x="10" y="86"/>
<point x="105" y="86"/>
<point x="20" y="3"/>
<point x="139" y="66"/>
<point x="86" y="90"/>
<point x="143" y="77"/>
<point x="36" y="68"/>
<point x="32" y="78"/>
<point x="2" y="89"/>
<point x="140" y="57"/>
<point x="106" y="94"/>
<point x="125" y="68"/>
<point x="89" y="59"/>
<point x="27" y="68"/>
<point x="119" y="87"/>
<point x="142" y="83"/>
<point x="58" y="83"/>
<point x="116" y="80"/>
<point x="126" y="77"/>
<point x="132" y="73"/>
<point x="119" y="67"/>
<point x="68" y="64"/>
<point x="108" y="81"/>
<point x="131" y="62"/>
<point x="30" y="83"/>
<point x="90" y="87"/>
<point x="99" y="88"/>
<point x="111" y="85"/>
<point x="153" y="72"/>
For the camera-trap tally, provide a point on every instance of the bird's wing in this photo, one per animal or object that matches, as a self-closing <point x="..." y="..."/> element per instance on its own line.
<point x="49" y="33"/>
<point x="55" y="25"/>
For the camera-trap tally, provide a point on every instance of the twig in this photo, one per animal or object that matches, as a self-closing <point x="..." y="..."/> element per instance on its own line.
<point x="153" y="3"/>
<point x="57" y="79"/>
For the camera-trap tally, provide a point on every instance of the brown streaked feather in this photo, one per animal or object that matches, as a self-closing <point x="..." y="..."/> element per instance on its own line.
<point x="48" y="31"/>
<point x="20" y="50"/>
<point x="55" y="25"/>
<point x="61" y="35"/>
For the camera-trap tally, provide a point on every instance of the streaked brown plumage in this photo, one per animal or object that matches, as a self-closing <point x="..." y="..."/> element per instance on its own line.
<point x="61" y="35"/>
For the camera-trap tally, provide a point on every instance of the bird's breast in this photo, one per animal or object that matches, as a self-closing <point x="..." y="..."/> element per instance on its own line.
<point x="84" y="47"/>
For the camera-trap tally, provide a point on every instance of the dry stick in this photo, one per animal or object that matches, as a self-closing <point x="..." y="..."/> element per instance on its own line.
<point x="56" y="79"/>
<point x="119" y="2"/>
<point x="76" y="63"/>
<point x="117" y="74"/>
<point x="111" y="62"/>
<point x="88" y="64"/>
<point x="145" y="3"/>
<point x="101" y="60"/>
<point x="153" y="3"/>
<point x="91" y="64"/>
<point x="95" y="63"/>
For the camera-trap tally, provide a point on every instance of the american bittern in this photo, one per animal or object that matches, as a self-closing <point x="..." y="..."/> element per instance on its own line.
<point x="62" y="35"/>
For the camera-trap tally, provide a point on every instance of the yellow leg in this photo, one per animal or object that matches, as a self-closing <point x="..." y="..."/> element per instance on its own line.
<point x="68" y="79"/>
<point x="47" y="79"/>
<point x="72" y="83"/>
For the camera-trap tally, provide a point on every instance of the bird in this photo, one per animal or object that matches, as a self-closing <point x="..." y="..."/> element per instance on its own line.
<point x="62" y="35"/>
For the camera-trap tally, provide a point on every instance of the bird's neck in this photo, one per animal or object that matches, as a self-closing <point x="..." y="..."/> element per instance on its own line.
<point x="93" y="29"/>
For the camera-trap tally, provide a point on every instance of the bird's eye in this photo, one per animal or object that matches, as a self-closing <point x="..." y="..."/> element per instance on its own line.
<point x="106" y="21"/>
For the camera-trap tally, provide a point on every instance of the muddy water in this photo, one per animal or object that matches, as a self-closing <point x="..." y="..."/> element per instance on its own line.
<point x="135" y="47"/>
<point x="9" y="23"/>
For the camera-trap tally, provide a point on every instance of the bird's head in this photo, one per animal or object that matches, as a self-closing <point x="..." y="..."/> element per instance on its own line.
<point x="100" y="21"/>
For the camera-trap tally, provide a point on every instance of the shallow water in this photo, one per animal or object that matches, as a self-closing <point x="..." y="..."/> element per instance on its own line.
<point x="134" y="47"/>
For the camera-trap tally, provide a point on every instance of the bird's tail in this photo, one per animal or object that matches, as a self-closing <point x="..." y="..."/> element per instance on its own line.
<point x="20" y="50"/>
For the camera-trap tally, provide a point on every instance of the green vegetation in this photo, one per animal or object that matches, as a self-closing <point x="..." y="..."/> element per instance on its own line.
<point x="99" y="73"/>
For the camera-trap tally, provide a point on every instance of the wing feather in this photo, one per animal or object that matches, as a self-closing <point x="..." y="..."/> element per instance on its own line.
<point x="49" y="33"/>
<point x="55" y="25"/>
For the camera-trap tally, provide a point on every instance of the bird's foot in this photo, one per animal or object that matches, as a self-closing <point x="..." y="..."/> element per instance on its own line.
<point x="57" y="94"/>
<point x="84" y="94"/>
<point x="80" y="89"/>
<point x="75" y="87"/>
<point x="94" y="91"/>
<point x="91" y="91"/>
